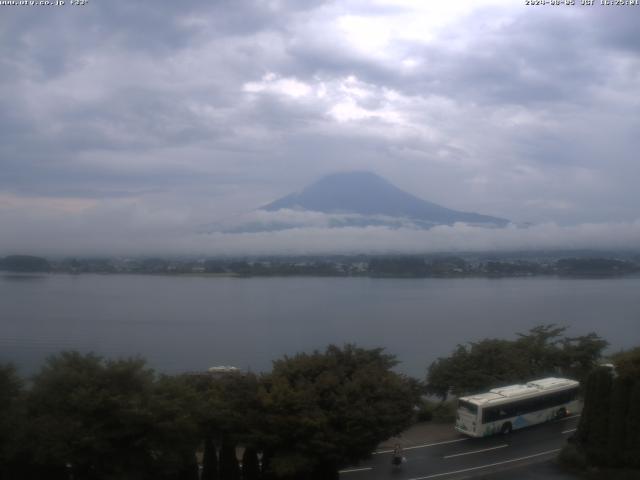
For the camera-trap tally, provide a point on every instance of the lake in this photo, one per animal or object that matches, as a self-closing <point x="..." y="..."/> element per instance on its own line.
<point x="185" y="323"/>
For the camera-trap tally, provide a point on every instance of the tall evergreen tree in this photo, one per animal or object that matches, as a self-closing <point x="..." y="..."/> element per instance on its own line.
<point x="250" y="468"/>
<point x="210" y="460"/>
<point x="632" y="438"/>
<point x="12" y="421"/>
<point x="608" y="433"/>
<point x="266" y="469"/>
<point x="186" y="470"/>
<point x="593" y="430"/>
<point x="229" y="468"/>
<point x="618" y="421"/>
<point x="628" y="369"/>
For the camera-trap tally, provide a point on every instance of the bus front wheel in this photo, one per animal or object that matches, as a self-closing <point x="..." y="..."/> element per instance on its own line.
<point x="561" y="413"/>
<point x="506" y="428"/>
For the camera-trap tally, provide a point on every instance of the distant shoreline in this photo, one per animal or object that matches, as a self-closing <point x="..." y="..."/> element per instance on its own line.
<point x="392" y="266"/>
<point x="5" y="274"/>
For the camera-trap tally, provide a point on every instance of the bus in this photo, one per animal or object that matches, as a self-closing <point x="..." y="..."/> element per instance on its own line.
<point x="504" y="409"/>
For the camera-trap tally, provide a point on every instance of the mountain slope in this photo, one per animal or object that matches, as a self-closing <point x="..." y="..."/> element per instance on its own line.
<point x="367" y="194"/>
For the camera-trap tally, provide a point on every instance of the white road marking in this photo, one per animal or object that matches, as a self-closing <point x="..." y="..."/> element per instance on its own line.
<point x="567" y="418"/>
<point x="351" y="470"/>
<point x="379" y="452"/>
<point x="435" y="475"/>
<point x="476" y="451"/>
<point x="570" y="430"/>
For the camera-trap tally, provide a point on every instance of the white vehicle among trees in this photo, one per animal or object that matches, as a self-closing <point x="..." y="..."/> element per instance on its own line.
<point x="504" y="409"/>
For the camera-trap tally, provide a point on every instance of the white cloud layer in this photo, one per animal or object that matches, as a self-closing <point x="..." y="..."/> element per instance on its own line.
<point x="131" y="228"/>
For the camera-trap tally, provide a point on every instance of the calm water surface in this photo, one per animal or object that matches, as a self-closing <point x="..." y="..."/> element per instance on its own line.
<point x="191" y="323"/>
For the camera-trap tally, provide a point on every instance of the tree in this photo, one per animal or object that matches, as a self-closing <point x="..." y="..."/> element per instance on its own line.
<point x="627" y="365"/>
<point x="12" y="421"/>
<point x="90" y="414"/>
<point x="24" y="263"/>
<point x="580" y="355"/>
<point x="608" y="431"/>
<point x="210" y="460"/>
<point x="398" y="266"/>
<point x="175" y="433"/>
<point x="229" y="468"/>
<point x="618" y="416"/>
<point x="332" y="408"/>
<point x="489" y="363"/>
<point x="594" y="267"/>
<point x="593" y="430"/>
<point x="476" y="367"/>
<point x="632" y="438"/>
<point x="250" y="464"/>
<point x="228" y="412"/>
<point x="540" y="349"/>
<point x="109" y="419"/>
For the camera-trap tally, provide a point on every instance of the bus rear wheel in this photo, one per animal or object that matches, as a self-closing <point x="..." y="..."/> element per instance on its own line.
<point x="506" y="428"/>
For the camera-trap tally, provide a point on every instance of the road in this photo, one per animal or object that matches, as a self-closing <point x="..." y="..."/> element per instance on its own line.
<point x="464" y="457"/>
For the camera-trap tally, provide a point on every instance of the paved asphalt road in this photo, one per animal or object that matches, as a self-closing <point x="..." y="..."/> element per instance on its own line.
<point x="464" y="457"/>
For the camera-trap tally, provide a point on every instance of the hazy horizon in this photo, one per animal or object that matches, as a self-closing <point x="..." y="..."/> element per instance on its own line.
<point x="128" y="127"/>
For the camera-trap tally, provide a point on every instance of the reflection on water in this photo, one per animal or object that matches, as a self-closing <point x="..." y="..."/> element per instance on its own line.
<point x="189" y="323"/>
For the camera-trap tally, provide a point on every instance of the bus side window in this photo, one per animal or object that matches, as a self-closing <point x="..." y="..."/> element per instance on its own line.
<point x="536" y="403"/>
<point x="489" y="415"/>
<point x="528" y="406"/>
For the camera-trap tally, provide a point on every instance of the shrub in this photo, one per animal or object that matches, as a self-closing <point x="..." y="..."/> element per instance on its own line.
<point x="428" y="410"/>
<point x="445" y="411"/>
<point x="424" y="412"/>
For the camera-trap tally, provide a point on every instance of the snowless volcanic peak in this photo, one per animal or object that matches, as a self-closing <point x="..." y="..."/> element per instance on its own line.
<point x="367" y="194"/>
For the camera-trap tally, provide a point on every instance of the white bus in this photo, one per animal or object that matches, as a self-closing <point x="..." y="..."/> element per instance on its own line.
<point x="502" y="410"/>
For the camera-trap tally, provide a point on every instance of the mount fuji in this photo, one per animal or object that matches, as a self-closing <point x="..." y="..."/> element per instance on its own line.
<point x="368" y="199"/>
<point x="351" y="199"/>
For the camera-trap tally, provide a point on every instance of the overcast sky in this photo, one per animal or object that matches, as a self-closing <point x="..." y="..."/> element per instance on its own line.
<point x="126" y="125"/>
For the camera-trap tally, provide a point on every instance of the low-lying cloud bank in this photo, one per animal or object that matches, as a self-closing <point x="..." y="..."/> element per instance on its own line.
<point x="259" y="221"/>
<point x="128" y="231"/>
<point x="458" y="237"/>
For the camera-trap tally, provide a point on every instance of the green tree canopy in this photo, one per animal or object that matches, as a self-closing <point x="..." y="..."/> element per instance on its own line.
<point x="109" y="419"/>
<point x="542" y="351"/>
<point x="608" y="432"/>
<point x="627" y="363"/>
<point x="405" y="266"/>
<point x="12" y="419"/>
<point x="333" y="407"/>
<point x="24" y="263"/>
<point x="229" y="414"/>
